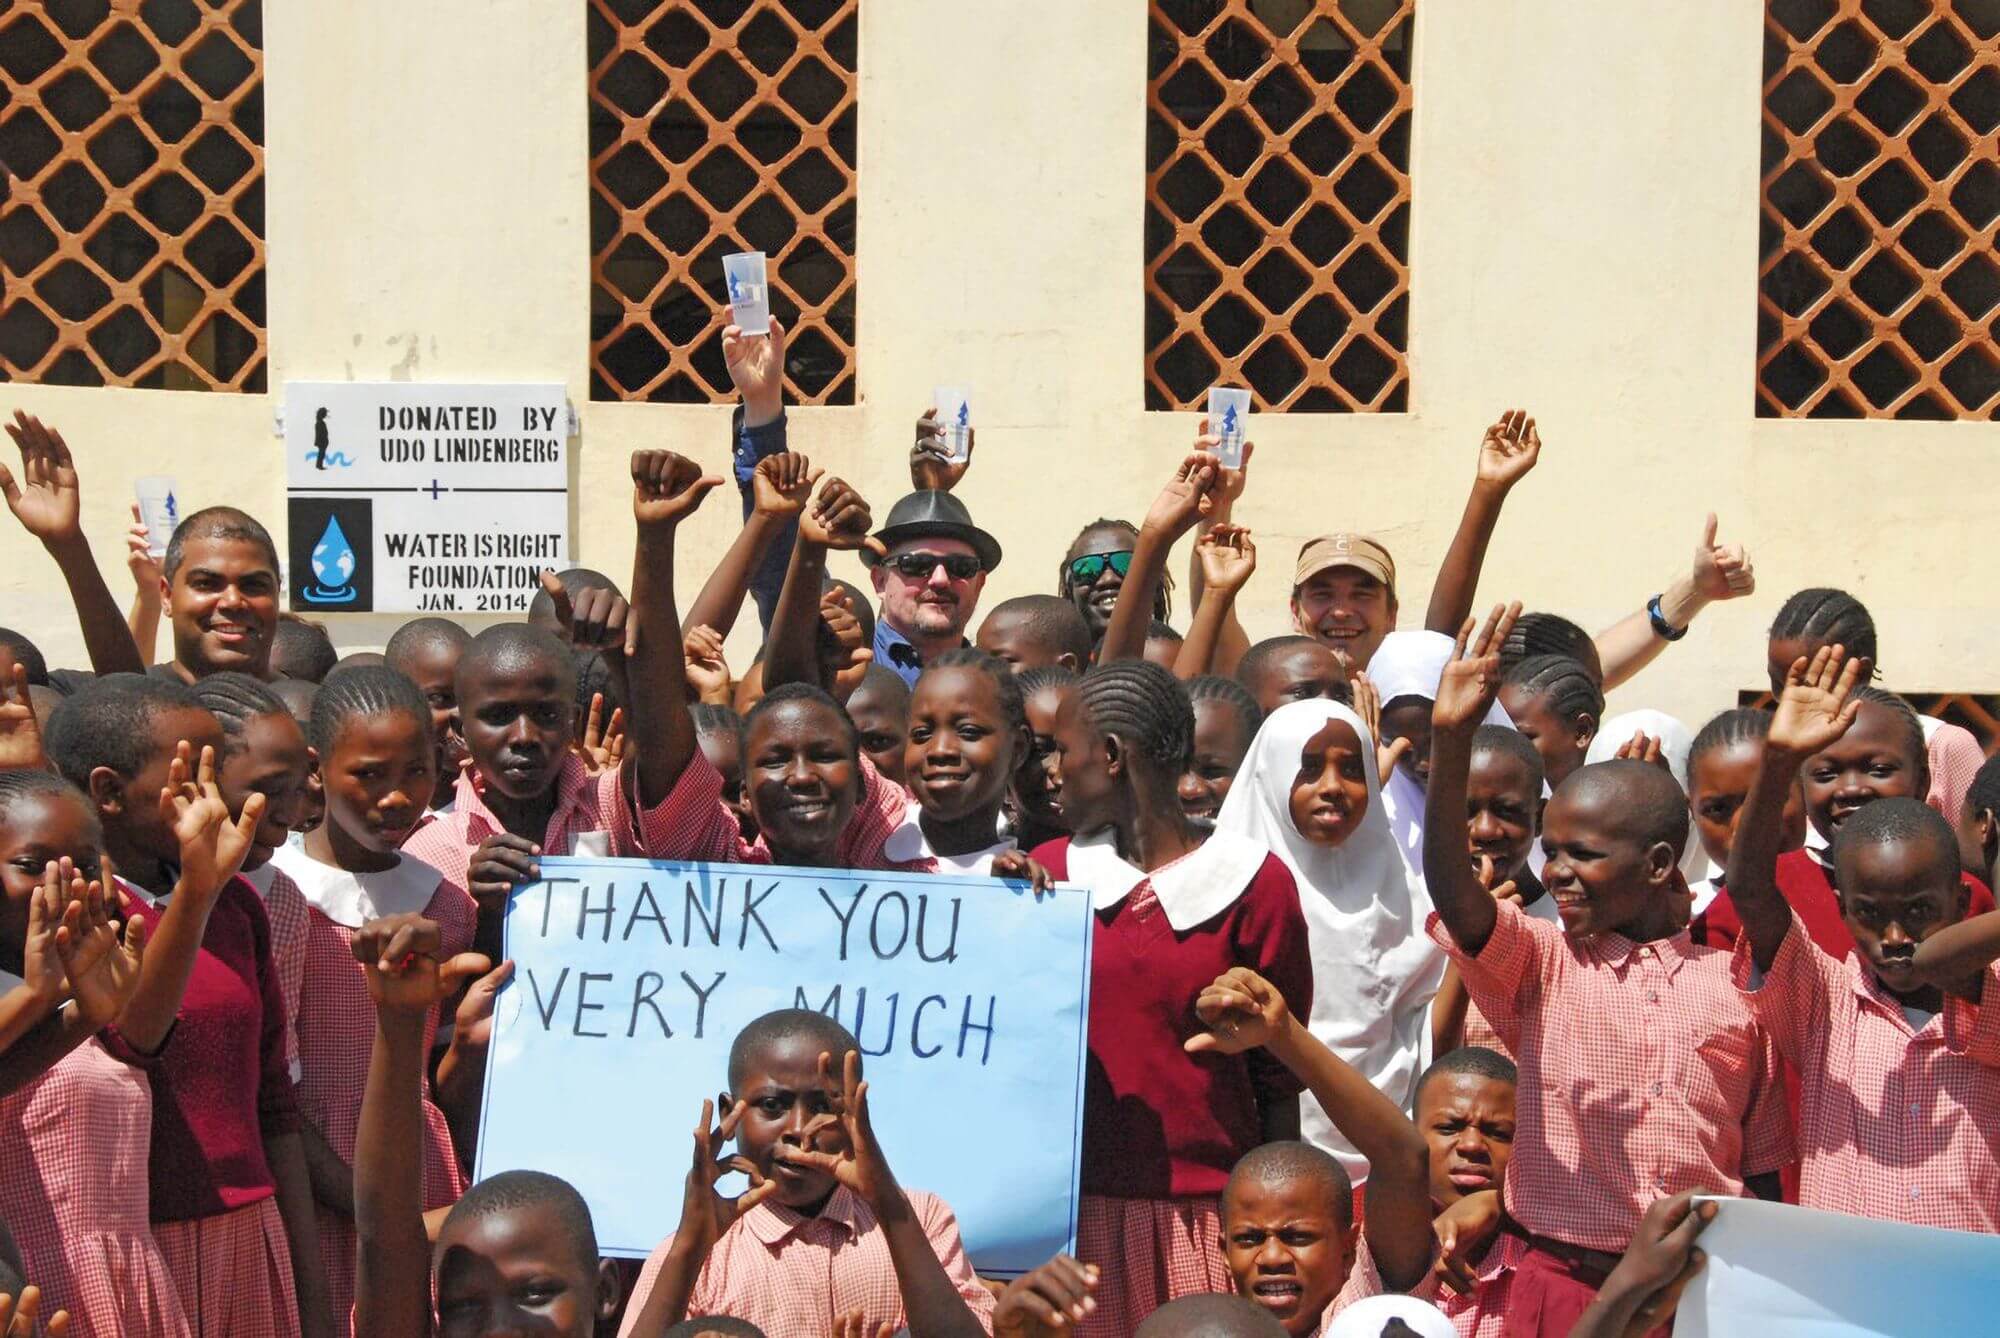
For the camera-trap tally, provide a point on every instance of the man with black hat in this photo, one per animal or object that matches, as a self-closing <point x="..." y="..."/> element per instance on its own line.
<point x="929" y="579"/>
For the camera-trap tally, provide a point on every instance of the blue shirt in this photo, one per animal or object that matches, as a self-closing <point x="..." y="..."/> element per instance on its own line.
<point x="894" y="652"/>
<point x="750" y="445"/>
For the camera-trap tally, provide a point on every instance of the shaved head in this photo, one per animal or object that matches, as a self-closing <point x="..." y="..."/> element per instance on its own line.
<point x="1286" y="1164"/>
<point x="1210" y="1317"/>
<point x="1649" y="803"/>
<point x="514" y="648"/>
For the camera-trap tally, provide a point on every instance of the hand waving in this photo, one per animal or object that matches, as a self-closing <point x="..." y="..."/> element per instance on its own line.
<point x="1818" y="703"/>
<point x="102" y="967"/>
<point x="1509" y="450"/>
<point x="1241" y="1010"/>
<point x="1228" y="558"/>
<point x="1472" y="676"/>
<point x="212" y="845"/>
<point x="1722" y="571"/>
<point x="1188" y="496"/>
<point x="46" y="501"/>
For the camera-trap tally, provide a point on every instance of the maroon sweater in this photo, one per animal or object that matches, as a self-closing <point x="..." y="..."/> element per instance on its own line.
<point x="1803" y="882"/>
<point x="220" y="1083"/>
<point x="1158" y="1122"/>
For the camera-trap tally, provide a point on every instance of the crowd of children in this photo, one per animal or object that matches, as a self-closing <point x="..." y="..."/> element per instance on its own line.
<point x="1425" y="998"/>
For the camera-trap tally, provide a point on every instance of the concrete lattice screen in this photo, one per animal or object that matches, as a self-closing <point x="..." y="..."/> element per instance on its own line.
<point x="1278" y="202"/>
<point x="132" y="224"/>
<point x="1978" y="713"/>
<point x="720" y="126"/>
<point x="1878" y="283"/>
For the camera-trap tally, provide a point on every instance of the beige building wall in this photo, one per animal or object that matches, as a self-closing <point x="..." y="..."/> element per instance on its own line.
<point x="1584" y="244"/>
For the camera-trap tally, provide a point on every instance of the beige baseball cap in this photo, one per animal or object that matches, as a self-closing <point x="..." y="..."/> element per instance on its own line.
<point x="1345" y="550"/>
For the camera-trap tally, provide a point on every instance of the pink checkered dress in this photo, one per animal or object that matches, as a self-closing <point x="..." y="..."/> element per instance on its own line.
<point x="336" y="1025"/>
<point x="235" y="1272"/>
<point x="285" y="906"/>
<point x="1151" y="1251"/>
<point x="73" y="1149"/>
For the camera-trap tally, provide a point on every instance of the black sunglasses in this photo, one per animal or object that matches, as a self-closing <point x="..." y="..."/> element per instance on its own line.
<point x="916" y="566"/>
<point x="1086" y="569"/>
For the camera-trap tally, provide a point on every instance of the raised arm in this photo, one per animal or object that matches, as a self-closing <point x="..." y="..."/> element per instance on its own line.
<point x="931" y="465"/>
<point x="1466" y="692"/>
<point x="1230" y="638"/>
<point x="779" y="487"/>
<point x="1720" y="571"/>
<point x="757" y="367"/>
<point x="1955" y="958"/>
<point x="1242" y="1010"/>
<point x="1227" y="558"/>
<point x="1506" y="454"/>
<point x="666" y="489"/>
<point x="143" y="618"/>
<point x="392" y="1281"/>
<point x="49" y="506"/>
<point x="1187" y="496"/>
<point x="837" y="518"/>
<point x="1815" y="709"/>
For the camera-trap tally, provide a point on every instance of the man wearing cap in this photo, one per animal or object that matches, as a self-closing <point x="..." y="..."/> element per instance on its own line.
<point x="929" y="580"/>
<point x="1344" y="596"/>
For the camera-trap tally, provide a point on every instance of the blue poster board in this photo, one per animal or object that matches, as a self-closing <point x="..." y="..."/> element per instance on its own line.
<point x="631" y="978"/>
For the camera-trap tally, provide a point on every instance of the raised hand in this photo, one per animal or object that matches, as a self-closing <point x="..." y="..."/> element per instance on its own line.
<point x="839" y="518"/>
<point x="212" y="846"/>
<point x="667" y="488"/>
<point x="1818" y="703"/>
<point x="1642" y="747"/>
<point x="707" y="665"/>
<point x="1368" y="705"/>
<point x="757" y="366"/>
<point x="844" y="659"/>
<point x="1472" y="676"/>
<point x="1188" y="496"/>
<point x="603" y="745"/>
<point x="931" y="465"/>
<point x="102" y="967"/>
<point x="1230" y="483"/>
<point x="705" y="1214"/>
<point x="1721" y="571"/>
<point x="46" y="500"/>
<point x="1227" y="557"/>
<point x="1050" y="1300"/>
<point x="1241" y="1011"/>
<point x="782" y="483"/>
<point x="596" y="619"/>
<point x="502" y="862"/>
<point x="41" y="963"/>
<point x="861" y="1165"/>
<point x="1509" y="450"/>
<point x="139" y="560"/>
<point x="399" y="955"/>
<point x="20" y="731"/>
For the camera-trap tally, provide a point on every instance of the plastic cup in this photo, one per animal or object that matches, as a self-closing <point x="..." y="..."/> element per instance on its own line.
<point x="954" y="413"/>
<point x="159" y="509"/>
<point x="1229" y="419"/>
<point x="749" y="297"/>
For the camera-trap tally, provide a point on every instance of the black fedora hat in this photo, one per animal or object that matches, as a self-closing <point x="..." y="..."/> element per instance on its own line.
<point x="934" y="514"/>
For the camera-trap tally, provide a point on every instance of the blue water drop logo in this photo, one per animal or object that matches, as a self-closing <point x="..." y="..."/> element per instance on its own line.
<point x="964" y="414"/>
<point x="735" y="288"/>
<point x="173" y="510"/>
<point x="333" y="562"/>
<point x="1229" y="428"/>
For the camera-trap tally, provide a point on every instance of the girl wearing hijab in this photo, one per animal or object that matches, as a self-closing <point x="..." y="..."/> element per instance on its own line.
<point x="1308" y="791"/>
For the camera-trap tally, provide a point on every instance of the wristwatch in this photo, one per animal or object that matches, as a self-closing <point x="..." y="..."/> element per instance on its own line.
<point x="1667" y="631"/>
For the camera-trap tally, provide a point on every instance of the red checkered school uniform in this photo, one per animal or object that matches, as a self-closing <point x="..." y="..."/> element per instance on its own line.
<point x="1896" y="1119"/>
<point x="1955" y="758"/>
<point x="1162" y="1129"/>
<point x="692" y="823"/>
<point x="286" y="907"/>
<point x="1479" y="1313"/>
<point x="221" y="1088"/>
<point x="73" y="1150"/>
<point x="1643" y="1073"/>
<point x="337" y="1023"/>
<point x="792" y="1274"/>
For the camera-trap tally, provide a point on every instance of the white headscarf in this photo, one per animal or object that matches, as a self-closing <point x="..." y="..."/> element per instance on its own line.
<point x="1374" y="969"/>
<point x="1411" y="664"/>
<point x="1676" y="742"/>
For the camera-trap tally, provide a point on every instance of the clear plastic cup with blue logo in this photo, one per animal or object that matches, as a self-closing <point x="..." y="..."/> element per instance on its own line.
<point x="159" y="511"/>
<point x="954" y="415"/>
<point x="1229" y="419"/>
<point x="749" y="297"/>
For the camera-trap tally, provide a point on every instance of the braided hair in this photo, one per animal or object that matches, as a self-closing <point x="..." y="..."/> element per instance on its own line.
<point x="1828" y="617"/>
<point x="369" y="689"/>
<point x="1913" y="729"/>
<point x="1163" y="601"/>
<point x="235" y="700"/>
<point x="18" y="784"/>
<point x="1012" y="699"/>
<point x="1741" y="724"/>
<point x="1543" y="634"/>
<point x="1216" y="688"/>
<point x="1045" y="676"/>
<point x="1144" y="705"/>
<point x="1567" y="683"/>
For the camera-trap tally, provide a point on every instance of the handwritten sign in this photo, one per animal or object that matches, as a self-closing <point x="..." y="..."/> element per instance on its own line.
<point x="632" y="977"/>
<point x="1776" y="1271"/>
<point x="405" y="496"/>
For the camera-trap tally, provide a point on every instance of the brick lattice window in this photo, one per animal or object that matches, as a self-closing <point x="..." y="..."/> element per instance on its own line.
<point x="1878" y="284"/>
<point x="132" y="225"/>
<point x="1278" y="202"/>
<point x="1977" y="712"/>
<point x="720" y="126"/>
